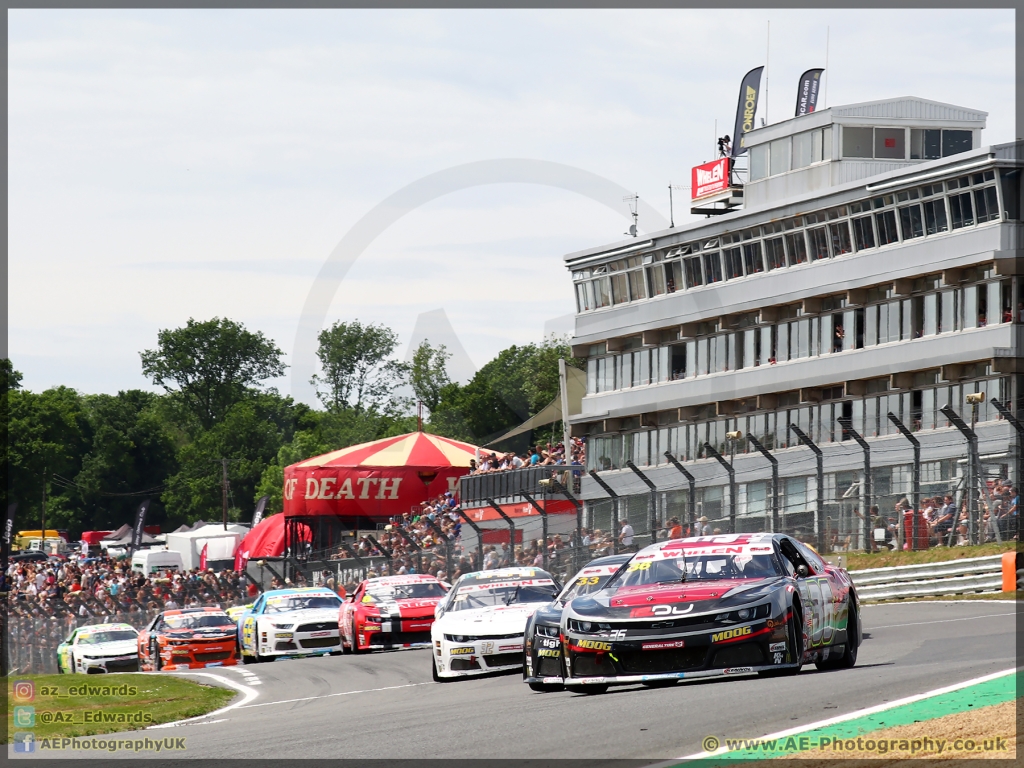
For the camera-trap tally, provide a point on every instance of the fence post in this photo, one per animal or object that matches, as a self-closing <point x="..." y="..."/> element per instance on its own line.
<point x="511" y="531"/>
<point x="543" y="523"/>
<point x="972" y="466"/>
<point x="1005" y="413"/>
<point x="615" y="509"/>
<point x="578" y="546"/>
<point x="847" y="424"/>
<point x="775" y="480"/>
<point x="479" y="539"/>
<point x="693" y="486"/>
<point x="708" y="448"/>
<point x="819" y="522"/>
<point x="915" y="482"/>
<point x="385" y="552"/>
<point x="652" y="501"/>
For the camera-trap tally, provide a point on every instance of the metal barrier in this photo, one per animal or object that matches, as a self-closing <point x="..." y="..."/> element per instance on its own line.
<point x="507" y="486"/>
<point x="955" y="577"/>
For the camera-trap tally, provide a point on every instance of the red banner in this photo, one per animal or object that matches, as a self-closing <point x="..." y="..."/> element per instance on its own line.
<point x="710" y="178"/>
<point x="380" y="492"/>
<point x="524" y="509"/>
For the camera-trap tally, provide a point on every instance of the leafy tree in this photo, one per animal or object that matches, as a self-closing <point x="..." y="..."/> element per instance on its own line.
<point x="211" y="366"/>
<point x="10" y="379"/>
<point x="358" y="372"/>
<point x="428" y="373"/>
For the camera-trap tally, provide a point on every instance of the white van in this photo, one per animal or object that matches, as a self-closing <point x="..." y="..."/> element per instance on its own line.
<point x="149" y="561"/>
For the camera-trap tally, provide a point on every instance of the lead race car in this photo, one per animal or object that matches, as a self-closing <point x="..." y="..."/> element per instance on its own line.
<point x="390" y="612"/>
<point x="542" y="663"/>
<point x="290" y="622"/>
<point x="709" y="606"/>
<point x="480" y="624"/>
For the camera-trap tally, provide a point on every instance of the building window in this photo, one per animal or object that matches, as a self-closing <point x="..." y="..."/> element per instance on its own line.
<point x="758" y="162"/>
<point x="752" y="260"/>
<point x="802" y="147"/>
<point x="818" y="239"/>
<point x="797" y="248"/>
<point x="733" y="263"/>
<point x="694" y="276"/>
<point x="776" y="253"/>
<point x="955" y="142"/>
<point x="935" y="216"/>
<point x="840" y="232"/>
<point x="712" y="267"/>
<point x="863" y="233"/>
<point x="986" y="204"/>
<point x="857" y="141"/>
<point x="890" y="144"/>
<point x="925" y="144"/>
<point x="779" y="155"/>
<point x="960" y="210"/>
<point x="657" y="277"/>
<point x="911" y="222"/>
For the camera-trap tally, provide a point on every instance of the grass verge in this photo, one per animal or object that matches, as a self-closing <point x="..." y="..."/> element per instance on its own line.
<point x="858" y="561"/>
<point x="90" y="705"/>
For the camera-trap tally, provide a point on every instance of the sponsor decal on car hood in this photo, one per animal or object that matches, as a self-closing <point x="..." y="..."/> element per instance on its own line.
<point x="500" y="620"/>
<point x="307" y="614"/>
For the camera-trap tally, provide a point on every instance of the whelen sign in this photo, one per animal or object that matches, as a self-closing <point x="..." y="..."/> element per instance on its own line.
<point x="710" y="178"/>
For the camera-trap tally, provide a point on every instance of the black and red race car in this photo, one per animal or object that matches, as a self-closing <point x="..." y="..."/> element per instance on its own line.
<point x="708" y="606"/>
<point x="188" y="638"/>
<point x="390" y="612"/>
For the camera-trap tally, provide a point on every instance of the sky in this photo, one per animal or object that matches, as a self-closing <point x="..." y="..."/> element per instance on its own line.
<point x="167" y="165"/>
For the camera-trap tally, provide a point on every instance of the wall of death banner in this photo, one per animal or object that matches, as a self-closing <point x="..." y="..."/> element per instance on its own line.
<point x="357" y="492"/>
<point x="807" y="91"/>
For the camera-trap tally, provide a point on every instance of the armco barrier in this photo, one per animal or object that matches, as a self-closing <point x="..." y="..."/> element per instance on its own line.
<point x="954" y="577"/>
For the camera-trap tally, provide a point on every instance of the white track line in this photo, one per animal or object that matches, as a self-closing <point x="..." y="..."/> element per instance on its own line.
<point x="941" y="621"/>
<point x="248" y="694"/>
<point x="850" y="715"/>
<point x="331" y="695"/>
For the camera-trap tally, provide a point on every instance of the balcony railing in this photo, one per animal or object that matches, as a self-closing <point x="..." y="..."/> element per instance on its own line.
<point x="505" y="487"/>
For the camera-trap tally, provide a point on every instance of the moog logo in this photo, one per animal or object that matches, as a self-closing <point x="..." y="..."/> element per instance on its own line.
<point x="729" y="634"/>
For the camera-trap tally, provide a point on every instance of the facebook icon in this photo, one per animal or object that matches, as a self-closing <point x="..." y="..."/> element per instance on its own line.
<point x="24" y="741"/>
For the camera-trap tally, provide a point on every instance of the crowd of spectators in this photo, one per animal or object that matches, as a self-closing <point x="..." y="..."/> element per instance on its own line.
<point x="47" y="600"/>
<point x="549" y="456"/>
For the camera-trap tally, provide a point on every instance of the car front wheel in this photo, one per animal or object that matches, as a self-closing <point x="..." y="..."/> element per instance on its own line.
<point x="848" y="659"/>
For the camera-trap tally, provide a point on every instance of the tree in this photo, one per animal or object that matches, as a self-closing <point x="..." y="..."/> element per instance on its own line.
<point x="358" y="373"/>
<point x="211" y="366"/>
<point x="428" y="373"/>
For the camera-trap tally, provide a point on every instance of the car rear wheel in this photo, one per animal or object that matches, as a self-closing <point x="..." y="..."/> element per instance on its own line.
<point x="849" y="656"/>
<point x="355" y="640"/>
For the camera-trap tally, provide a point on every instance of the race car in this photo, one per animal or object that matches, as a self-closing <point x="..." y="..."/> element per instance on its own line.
<point x="480" y="624"/>
<point x="543" y="668"/>
<point x="99" y="648"/>
<point x="390" y="612"/>
<point x="710" y="606"/>
<point x="290" y="622"/>
<point x="235" y="612"/>
<point x="188" y="638"/>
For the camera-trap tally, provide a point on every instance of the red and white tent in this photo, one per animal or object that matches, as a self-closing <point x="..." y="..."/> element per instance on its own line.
<point x="376" y="480"/>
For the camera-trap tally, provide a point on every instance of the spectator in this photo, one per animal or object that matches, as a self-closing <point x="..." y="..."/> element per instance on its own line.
<point x="625" y="534"/>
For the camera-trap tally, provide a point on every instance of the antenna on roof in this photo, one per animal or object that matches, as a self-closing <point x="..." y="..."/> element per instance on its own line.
<point x="671" y="186"/>
<point x="634" y="207"/>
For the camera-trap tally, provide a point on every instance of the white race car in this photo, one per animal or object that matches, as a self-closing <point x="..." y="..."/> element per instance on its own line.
<point x="99" y="648"/>
<point x="290" y="622"/>
<point x="479" y="626"/>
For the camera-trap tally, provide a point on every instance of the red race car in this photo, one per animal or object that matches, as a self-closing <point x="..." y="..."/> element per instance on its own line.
<point x="390" y="612"/>
<point x="188" y="638"/>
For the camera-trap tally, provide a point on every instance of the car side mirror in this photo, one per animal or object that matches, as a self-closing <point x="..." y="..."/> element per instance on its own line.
<point x="801" y="571"/>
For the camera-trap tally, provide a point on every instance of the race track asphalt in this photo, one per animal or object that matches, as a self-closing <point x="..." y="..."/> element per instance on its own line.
<point x="384" y="705"/>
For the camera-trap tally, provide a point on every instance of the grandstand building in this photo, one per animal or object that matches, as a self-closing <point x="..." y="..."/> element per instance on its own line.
<point x="874" y="267"/>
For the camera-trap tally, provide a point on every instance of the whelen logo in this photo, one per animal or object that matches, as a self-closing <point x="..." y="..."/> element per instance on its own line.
<point x="729" y="634"/>
<point x="709" y="179"/>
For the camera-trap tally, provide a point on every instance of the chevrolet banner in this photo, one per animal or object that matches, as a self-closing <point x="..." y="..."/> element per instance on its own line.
<point x="807" y="91"/>
<point x="750" y="88"/>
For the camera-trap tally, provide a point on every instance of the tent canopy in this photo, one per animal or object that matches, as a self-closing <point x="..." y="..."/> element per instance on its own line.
<point x="576" y="386"/>
<point x="416" y="449"/>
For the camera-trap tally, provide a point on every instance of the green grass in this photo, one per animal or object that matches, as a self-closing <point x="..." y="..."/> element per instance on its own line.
<point x="858" y="561"/>
<point x="146" y="699"/>
<point x="1009" y="596"/>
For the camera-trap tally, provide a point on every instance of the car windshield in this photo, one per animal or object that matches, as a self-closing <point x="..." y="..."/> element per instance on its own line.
<point x="419" y="589"/>
<point x="490" y="595"/>
<point x="301" y="603"/>
<point x="698" y="567"/>
<point x="196" y="620"/>
<point x="112" y="636"/>
<point x="585" y="585"/>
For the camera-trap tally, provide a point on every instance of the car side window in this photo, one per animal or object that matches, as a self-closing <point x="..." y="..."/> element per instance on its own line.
<point x="791" y="555"/>
<point x="815" y="563"/>
<point x="257" y="607"/>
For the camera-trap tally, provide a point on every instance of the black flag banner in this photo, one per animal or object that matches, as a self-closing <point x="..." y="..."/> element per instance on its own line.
<point x="261" y="505"/>
<point x="140" y="525"/>
<point x="750" y="88"/>
<point x="807" y="91"/>
<point x="8" y="537"/>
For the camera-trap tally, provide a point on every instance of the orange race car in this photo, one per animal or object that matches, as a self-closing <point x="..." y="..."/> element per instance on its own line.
<point x="188" y="638"/>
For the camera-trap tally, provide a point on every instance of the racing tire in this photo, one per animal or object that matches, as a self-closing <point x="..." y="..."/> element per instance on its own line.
<point x="588" y="690"/>
<point x="849" y="658"/>
<point x="796" y="642"/>
<point x="659" y="683"/>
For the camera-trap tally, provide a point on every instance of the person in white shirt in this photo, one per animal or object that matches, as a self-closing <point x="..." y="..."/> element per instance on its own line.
<point x="625" y="533"/>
